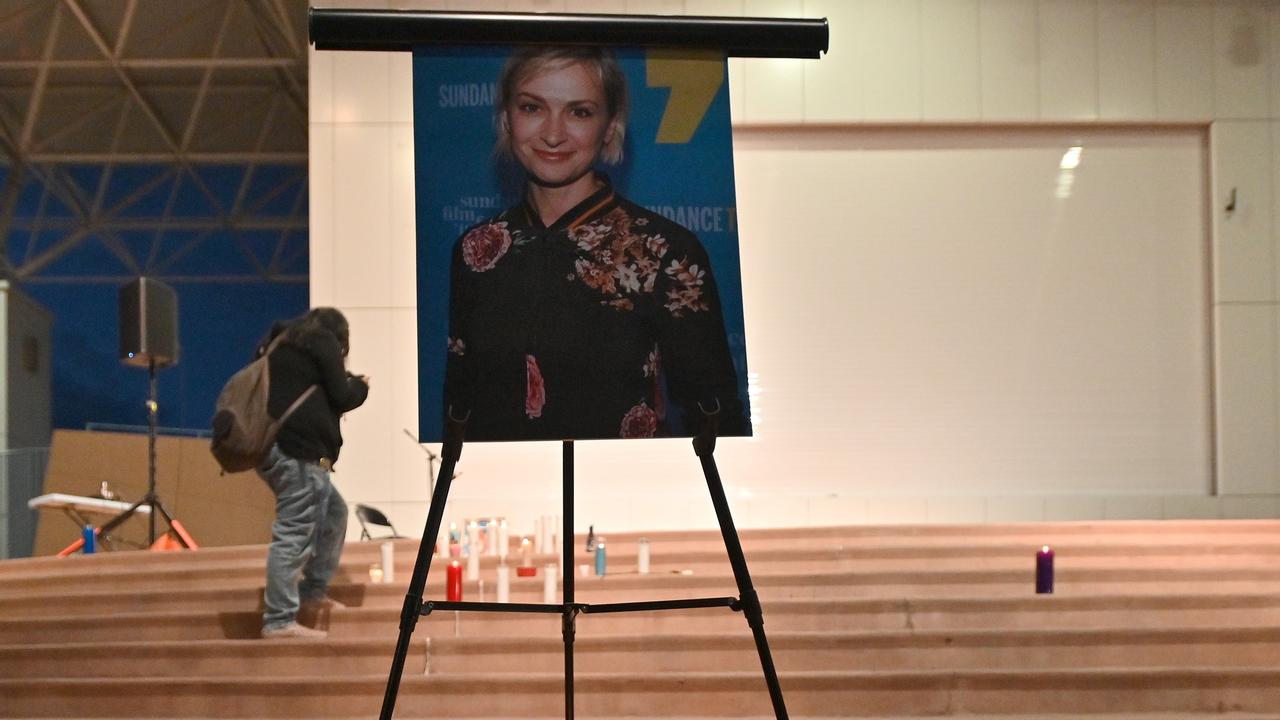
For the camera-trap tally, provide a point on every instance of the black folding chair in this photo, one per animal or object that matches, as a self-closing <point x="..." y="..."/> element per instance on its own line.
<point x="373" y="516"/>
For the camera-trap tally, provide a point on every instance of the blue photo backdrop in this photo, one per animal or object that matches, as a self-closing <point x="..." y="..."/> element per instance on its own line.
<point x="678" y="162"/>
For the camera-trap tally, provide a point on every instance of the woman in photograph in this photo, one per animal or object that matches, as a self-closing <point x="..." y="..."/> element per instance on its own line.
<point x="578" y="314"/>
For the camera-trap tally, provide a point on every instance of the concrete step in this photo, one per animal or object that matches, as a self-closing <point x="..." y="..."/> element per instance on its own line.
<point x="213" y="658"/>
<point x="881" y="650"/>
<point x="731" y="652"/>
<point x="1185" y="539"/>
<point x="1115" y="691"/>
<point x="24" y="597"/>
<point x="1042" y="612"/>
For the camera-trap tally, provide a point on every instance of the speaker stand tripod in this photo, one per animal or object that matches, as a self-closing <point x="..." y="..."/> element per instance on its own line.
<point x="747" y="601"/>
<point x="150" y="500"/>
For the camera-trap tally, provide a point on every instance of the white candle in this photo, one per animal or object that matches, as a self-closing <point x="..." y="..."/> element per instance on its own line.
<point x="491" y="537"/>
<point x="473" y="538"/>
<point x="473" y="566"/>
<point x="550" y="530"/>
<point x="504" y="540"/>
<point x="504" y="584"/>
<point x="388" y="562"/>
<point x="549" y="584"/>
<point x="642" y="556"/>
<point x="537" y="534"/>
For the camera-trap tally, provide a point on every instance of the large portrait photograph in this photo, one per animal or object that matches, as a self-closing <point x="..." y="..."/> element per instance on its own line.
<point x="577" y="244"/>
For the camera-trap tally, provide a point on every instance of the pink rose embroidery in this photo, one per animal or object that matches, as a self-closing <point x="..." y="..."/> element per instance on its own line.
<point x="485" y="245"/>
<point x="535" y="395"/>
<point x="639" y="422"/>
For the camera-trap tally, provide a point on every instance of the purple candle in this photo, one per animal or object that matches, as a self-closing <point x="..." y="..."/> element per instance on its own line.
<point x="1044" y="571"/>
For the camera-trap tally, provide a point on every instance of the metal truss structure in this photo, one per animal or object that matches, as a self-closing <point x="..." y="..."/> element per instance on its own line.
<point x="165" y="138"/>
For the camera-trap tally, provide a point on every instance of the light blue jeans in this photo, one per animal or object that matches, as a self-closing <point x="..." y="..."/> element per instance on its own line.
<point x="306" y="538"/>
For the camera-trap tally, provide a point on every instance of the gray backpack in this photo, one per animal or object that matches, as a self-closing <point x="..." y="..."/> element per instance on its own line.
<point x="243" y="429"/>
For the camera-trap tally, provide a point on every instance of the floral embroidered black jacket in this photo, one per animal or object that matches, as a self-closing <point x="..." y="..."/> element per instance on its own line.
<point x="600" y="326"/>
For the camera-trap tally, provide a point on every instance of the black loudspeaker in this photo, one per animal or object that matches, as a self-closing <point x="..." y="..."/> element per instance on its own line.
<point x="148" y="324"/>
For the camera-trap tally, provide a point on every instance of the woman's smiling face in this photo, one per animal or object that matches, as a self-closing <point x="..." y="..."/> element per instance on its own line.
<point x="559" y="123"/>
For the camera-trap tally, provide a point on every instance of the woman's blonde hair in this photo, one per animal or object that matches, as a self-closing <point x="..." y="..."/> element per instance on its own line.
<point x="527" y="62"/>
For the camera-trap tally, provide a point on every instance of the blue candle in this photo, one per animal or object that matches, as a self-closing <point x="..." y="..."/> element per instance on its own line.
<point x="90" y="537"/>
<point x="600" y="557"/>
<point x="1044" y="571"/>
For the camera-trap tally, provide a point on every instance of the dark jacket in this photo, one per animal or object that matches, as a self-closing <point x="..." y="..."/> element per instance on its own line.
<point x="314" y="430"/>
<point x="595" y="327"/>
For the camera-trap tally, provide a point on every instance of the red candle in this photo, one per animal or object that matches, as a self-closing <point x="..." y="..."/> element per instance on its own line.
<point x="453" y="586"/>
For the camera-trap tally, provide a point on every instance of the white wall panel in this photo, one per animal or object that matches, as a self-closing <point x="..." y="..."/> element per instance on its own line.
<point x="367" y="431"/>
<point x="1192" y="508"/>
<point x="1184" y="60"/>
<point x="888" y="55"/>
<point x="1246" y="390"/>
<point x="319" y="86"/>
<point x="1243" y="242"/>
<point x="833" y="86"/>
<point x="594" y="6"/>
<point x="1068" y="60"/>
<point x="654" y="7"/>
<point x="1258" y="507"/>
<point x="1010" y="60"/>
<point x="1241" y="59"/>
<point x="400" y="87"/>
<point x="1014" y="509"/>
<point x="1126" y="60"/>
<point x="322" y="220"/>
<point x="774" y="91"/>
<point x="360" y="87"/>
<point x="1133" y="508"/>
<point x="402" y="222"/>
<point x="362" y="215"/>
<point x="951" y="70"/>
<point x="1064" y="509"/>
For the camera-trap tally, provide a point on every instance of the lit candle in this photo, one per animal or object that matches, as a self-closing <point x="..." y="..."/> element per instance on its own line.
<point x="504" y="540"/>
<point x="388" y="562"/>
<point x="1044" y="571"/>
<point x="473" y="566"/>
<point x="504" y="584"/>
<point x="375" y="574"/>
<point x="549" y="585"/>
<point x="642" y="556"/>
<point x="526" y="552"/>
<point x="453" y="586"/>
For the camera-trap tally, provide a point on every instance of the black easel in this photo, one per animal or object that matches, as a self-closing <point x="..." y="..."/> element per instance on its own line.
<point x="151" y="499"/>
<point x="747" y="601"/>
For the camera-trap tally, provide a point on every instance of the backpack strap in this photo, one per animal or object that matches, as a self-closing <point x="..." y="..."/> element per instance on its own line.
<point x="296" y="403"/>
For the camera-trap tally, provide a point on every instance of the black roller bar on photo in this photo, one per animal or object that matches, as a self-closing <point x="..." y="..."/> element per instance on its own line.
<point x="401" y="30"/>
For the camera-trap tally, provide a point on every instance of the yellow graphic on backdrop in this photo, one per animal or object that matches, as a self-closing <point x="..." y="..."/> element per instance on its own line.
<point x="694" y="78"/>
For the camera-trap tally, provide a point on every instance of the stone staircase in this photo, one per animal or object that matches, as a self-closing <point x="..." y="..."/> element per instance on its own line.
<point x="1151" y="621"/>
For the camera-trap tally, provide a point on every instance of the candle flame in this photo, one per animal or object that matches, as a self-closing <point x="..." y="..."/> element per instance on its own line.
<point x="1044" y="548"/>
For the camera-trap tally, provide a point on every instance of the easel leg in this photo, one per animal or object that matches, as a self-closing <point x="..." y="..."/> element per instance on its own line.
<point x="412" y="608"/>
<point x="705" y="446"/>
<point x="569" y="621"/>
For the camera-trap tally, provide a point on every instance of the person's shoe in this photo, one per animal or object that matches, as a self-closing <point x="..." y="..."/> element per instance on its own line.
<point x="293" y="630"/>
<point x="324" y="603"/>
